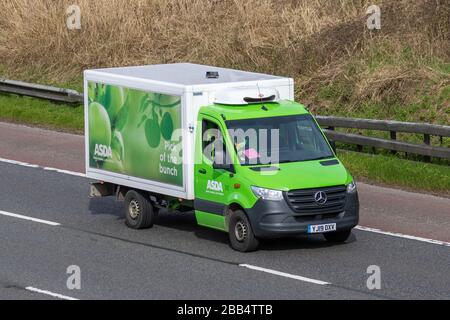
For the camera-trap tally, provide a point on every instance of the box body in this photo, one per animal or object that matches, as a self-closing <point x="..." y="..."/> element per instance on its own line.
<point x="140" y="121"/>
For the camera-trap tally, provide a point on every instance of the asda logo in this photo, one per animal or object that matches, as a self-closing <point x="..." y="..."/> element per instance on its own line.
<point x="214" y="186"/>
<point x="102" y="151"/>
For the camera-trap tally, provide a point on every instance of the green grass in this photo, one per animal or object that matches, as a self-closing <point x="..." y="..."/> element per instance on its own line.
<point x="431" y="109"/>
<point x="41" y="113"/>
<point x="392" y="171"/>
<point x="385" y="82"/>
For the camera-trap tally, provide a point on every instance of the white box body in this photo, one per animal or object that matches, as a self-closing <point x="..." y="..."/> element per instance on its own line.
<point x="188" y="81"/>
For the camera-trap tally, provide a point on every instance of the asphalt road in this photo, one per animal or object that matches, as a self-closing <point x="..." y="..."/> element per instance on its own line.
<point x="178" y="259"/>
<point x="48" y="223"/>
<point x="383" y="208"/>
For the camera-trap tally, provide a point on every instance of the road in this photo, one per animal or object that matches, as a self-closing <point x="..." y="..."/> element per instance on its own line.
<point x="48" y="223"/>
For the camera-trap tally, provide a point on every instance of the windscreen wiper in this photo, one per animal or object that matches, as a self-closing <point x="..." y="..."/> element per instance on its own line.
<point x="321" y="158"/>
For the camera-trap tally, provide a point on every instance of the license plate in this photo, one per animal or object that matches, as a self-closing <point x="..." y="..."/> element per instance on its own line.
<point x="321" y="228"/>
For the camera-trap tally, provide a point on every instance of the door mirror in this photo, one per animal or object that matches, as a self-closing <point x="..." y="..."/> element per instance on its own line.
<point x="226" y="167"/>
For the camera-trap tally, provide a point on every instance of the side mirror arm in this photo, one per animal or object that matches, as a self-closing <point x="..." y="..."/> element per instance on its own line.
<point x="226" y="167"/>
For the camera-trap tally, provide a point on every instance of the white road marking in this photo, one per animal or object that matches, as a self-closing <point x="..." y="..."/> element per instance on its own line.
<point x="283" y="274"/>
<point x="25" y="164"/>
<point x="19" y="163"/>
<point x="405" y="236"/>
<point x="19" y="216"/>
<point x="49" y="293"/>
<point x="362" y="228"/>
<point x="72" y="173"/>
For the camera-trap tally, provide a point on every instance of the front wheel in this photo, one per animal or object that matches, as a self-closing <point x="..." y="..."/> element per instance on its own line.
<point x="241" y="234"/>
<point x="338" y="236"/>
<point x="139" y="213"/>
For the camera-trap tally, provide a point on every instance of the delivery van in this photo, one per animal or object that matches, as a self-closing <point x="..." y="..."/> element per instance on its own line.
<point x="230" y="146"/>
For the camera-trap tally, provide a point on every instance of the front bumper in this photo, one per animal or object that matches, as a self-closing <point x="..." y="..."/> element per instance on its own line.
<point x="274" y="219"/>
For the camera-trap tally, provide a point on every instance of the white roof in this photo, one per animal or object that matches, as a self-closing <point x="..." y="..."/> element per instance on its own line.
<point x="186" y="74"/>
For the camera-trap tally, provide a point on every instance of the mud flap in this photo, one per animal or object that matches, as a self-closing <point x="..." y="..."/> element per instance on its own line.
<point x="100" y="189"/>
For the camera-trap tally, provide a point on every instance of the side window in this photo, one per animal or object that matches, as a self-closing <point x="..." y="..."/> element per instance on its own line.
<point x="212" y="141"/>
<point x="211" y="136"/>
<point x="306" y="136"/>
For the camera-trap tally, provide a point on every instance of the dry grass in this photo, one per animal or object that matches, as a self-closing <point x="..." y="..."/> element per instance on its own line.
<point x="117" y="32"/>
<point x="320" y="43"/>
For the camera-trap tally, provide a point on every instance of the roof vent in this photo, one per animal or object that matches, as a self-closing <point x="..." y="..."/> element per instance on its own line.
<point x="212" y="75"/>
<point x="247" y="96"/>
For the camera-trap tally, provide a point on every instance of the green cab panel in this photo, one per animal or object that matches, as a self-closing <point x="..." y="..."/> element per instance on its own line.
<point x="211" y="220"/>
<point x="298" y="175"/>
<point x="223" y="188"/>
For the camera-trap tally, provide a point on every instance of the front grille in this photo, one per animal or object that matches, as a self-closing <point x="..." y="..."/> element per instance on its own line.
<point x="316" y="217"/>
<point x="302" y="201"/>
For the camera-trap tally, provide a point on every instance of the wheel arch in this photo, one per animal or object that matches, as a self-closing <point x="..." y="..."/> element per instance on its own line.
<point x="229" y="209"/>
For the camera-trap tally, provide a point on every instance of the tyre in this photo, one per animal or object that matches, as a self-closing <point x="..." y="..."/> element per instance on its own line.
<point x="139" y="213"/>
<point x="338" y="236"/>
<point x="241" y="234"/>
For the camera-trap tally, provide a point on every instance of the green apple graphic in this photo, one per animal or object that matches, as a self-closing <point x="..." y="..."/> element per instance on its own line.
<point x="92" y="92"/>
<point x="114" y="164"/>
<point x="117" y="144"/>
<point x="127" y="128"/>
<point x="167" y="126"/>
<point x="113" y="101"/>
<point x="152" y="133"/>
<point x="99" y="126"/>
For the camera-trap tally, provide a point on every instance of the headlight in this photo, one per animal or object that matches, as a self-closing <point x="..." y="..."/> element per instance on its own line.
<point x="351" y="188"/>
<point x="268" y="194"/>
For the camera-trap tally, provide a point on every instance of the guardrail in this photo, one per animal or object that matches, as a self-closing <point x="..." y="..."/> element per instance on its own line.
<point x="427" y="130"/>
<point x="328" y="123"/>
<point x="41" y="91"/>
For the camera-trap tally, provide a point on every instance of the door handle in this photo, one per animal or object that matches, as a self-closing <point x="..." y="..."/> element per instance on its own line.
<point x="202" y="171"/>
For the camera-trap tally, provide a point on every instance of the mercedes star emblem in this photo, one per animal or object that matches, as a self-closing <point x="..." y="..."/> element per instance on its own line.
<point x="320" y="198"/>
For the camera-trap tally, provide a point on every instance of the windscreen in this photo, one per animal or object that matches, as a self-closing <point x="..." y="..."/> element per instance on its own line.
<point x="278" y="140"/>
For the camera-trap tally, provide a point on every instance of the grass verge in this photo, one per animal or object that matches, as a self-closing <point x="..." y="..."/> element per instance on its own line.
<point x="41" y="113"/>
<point x="392" y="171"/>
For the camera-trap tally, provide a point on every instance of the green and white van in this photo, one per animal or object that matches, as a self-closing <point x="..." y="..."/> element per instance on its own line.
<point x="231" y="146"/>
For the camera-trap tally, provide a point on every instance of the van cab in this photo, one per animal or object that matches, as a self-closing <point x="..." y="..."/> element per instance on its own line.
<point x="306" y="190"/>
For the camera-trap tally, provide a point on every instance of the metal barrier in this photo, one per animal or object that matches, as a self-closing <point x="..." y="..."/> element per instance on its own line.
<point x="41" y="91"/>
<point x="427" y="130"/>
<point x="328" y="123"/>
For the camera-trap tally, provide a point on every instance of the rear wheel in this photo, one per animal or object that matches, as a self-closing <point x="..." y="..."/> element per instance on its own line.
<point x="139" y="213"/>
<point x="241" y="234"/>
<point x="338" y="236"/>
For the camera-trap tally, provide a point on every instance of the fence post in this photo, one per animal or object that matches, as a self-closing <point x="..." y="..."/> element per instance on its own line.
<point x="427" y="141"/>
<point x="359" y="147"/>
<point x="393" y="137"/>
<point x="332" y="142"/>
